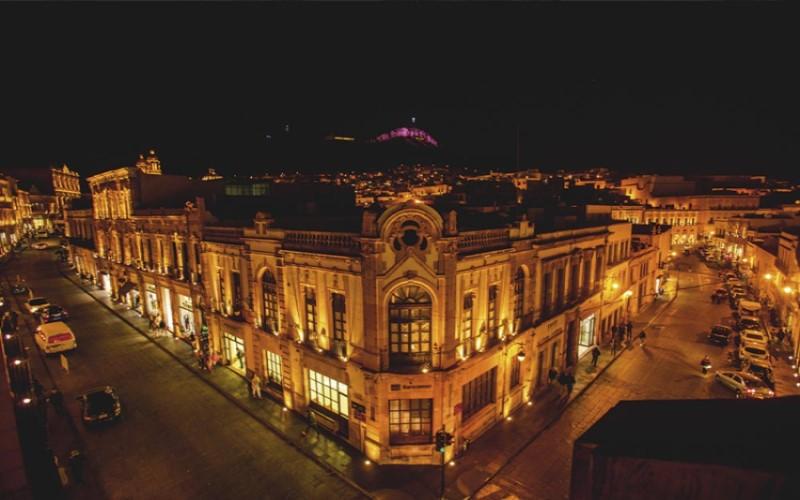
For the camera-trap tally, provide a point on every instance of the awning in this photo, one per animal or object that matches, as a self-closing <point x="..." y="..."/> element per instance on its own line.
<point x="125" y="288"/>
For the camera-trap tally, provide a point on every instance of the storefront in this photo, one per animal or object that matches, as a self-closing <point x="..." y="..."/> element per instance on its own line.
<point x="166" y="300"/>
<point x="329" y="399"/>
<point x="586" y="335"/>
<point x="152" y="300"/>
<point x="185" y="314"/>
<point x="233" y="350"/>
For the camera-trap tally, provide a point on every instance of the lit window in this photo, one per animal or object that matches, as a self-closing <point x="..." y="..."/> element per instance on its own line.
<point x="328" y="393"/>
<point x="410" y="421"/>
<point x="410" y="325"/>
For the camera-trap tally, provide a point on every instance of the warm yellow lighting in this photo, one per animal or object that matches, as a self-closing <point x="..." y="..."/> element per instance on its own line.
<point x="367" y="462"/>
<point x="673" y="253"/>
<point x="787" y="290"/>
<point x="530" y="403"/>
<point x="615" y="285"/>
<point x="26" y="401"/>
<point x="521" y="356"/>
<point x="17" y="362"/>
<point x="628" y="294"/>
<point x="452" y="463"/>
<point x="508" y="418"/>
<point x="285" y="409"/>
<point x="768" y="276"/>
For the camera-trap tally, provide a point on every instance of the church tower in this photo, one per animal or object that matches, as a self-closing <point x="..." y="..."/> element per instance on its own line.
<point x="149" y="165"/>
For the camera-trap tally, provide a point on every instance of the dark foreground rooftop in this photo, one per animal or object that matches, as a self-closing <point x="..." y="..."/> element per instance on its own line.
<point x="749" y="434"/>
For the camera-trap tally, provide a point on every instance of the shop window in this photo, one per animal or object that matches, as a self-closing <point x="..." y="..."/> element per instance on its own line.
<point x="328" y="393"/>
<point x="269" y="290"/>
<point x="274" y="369"/>
<point x="233" y="349"/>
<point x="410" y="326"/>
<point x="410" y="421"/>
<point x="478" y="392"/>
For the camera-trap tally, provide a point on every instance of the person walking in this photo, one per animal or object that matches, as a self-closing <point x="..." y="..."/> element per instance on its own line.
<point x="255" y="386"/>
<point x="76" y="462"/>
<point x="312" y="423"/>
<point x="570" y="383"/>
<point x="595" y="356"/>
<point x="551" y="375"/>
<point x="629" y="329"/>
<point x="642" y="337"/>
<point x="614" y="345"/>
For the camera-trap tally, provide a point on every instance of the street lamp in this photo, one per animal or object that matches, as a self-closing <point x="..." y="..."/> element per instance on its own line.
<point x="768" y="276"/>
<point x="787" y="290"/>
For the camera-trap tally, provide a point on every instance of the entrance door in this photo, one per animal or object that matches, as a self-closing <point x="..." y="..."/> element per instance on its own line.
<point x="586" y="338"/>
<point x="165" y="297"/>
<point x="233" y="350"/>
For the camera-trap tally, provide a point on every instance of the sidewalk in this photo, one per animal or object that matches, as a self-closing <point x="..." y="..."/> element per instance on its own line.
<point x="484" y="458"/>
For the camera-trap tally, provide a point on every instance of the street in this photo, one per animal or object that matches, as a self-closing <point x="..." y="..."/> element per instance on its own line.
<point x="178" y="438"/>
<point x="668" y="367"/>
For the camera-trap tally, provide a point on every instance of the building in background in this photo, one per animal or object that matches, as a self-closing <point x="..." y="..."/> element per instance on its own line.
<point x="50" y="190"/>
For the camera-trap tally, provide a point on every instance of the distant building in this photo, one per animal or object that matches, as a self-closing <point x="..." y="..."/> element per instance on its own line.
<point x="50" y="190"/>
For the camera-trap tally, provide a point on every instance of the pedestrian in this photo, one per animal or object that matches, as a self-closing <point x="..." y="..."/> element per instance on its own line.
<point x="614" y="345"/>
<point x="629" y="329"/>
<point x="642" y="337"/>
<point x="570" y="382"/>
<point x="202" y="362"/>
<point x="14" y="319"/>
<point x="312" y="423"/>
<point x="76" y="460"/>
<point x="595" y="356"/>
<point x="551" y="375"/>
<point x="255" y="386"/>
<point x="57" y="400"/>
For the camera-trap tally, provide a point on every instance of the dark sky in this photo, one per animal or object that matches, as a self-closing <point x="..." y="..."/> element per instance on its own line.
<point x="669" y="88"/>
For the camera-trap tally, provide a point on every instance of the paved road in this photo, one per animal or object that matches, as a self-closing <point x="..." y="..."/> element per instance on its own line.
<point x="178" y="438"/>
<point x="666" y="368"/>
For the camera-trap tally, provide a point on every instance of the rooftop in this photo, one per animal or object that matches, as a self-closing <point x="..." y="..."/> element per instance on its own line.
<point x="702" y="431"/>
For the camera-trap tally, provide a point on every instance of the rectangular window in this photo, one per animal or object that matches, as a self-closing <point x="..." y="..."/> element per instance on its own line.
<point x="328" y="393"/>
<point x="466" y="321"/>
<point x="554" y="354"/>
<point x="560" y="287"/>
<point x="410" y="421"/>
<point x="547" y="286"/>
<point x="339" y="321"/>
<point x="477" y="393"/>
<point x="221" y="281"/>
<point x="236" y="289"/>
<point x="274" y="369"/>
<point x="516" y="366"/>
<point x="311" y="311"/>
<point x="491" y="313"/>
<point x="587" y="270"/>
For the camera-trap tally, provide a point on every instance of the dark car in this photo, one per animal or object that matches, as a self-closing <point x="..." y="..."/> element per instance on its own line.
<point x="764" y="372"/>
<point x="100" y="405"/>
<point x="19" y="289"/>
<point x="720" y="335"/>
<point x="53" y="313"/>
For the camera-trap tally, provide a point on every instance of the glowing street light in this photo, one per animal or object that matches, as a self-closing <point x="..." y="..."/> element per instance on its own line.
<point x="615" y="285"/>
<point x="768" y="276"/>
<point x="787" y="290"/>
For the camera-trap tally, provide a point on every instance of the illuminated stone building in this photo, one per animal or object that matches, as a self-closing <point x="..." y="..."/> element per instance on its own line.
<point x="50" y="190"/>
<point x="398" y="322"/>
<point x="146" y="238"/>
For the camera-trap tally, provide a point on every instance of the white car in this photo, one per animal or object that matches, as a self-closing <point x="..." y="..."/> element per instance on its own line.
<point x="40" y="245"/>
<point x="36" y="304"/>
<point x="744" y="384"/>
<point x="755" y="337"/>
<point x="753" y="351"/>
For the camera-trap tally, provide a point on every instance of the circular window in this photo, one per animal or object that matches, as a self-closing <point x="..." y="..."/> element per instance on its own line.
<point x="410" y="237"/>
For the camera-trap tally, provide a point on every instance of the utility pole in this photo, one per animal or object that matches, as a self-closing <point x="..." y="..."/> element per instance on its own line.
<point x="443" y="439"/>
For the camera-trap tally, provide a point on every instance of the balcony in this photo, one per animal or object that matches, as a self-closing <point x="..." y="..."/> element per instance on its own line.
<point x="321" y="242"/>
<point x="481" y="241"/>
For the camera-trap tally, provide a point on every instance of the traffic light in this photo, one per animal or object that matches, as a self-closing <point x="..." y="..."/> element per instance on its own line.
<point x="443" y="439"/>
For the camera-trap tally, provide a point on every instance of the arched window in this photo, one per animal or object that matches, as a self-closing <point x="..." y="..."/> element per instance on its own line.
<point x="519" y="296"/>
<point x="269" y="291"/>
<point x="409" y="326"/>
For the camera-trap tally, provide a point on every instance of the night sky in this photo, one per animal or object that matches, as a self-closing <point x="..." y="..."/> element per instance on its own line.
<point x="665" y="88"/>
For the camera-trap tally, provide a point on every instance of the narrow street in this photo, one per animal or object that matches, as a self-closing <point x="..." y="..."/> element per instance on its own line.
<point x="666" y="368"/>
<point x="178" y="438"/>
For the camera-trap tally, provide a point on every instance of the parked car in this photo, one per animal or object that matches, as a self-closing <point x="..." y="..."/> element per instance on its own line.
<point x="19" y="289"/>
<point x="720" y="334"/>
<point x="737" y="292"/>
<point x="40" y="245"/>
<point x="763" y="370"/>
<point x="53" y="313"/>
<point x="36" y="304"/>
<point x="749" y="323"/>
<point x="744" y="384"/>
<point x="755" y="337"/>
<point x="55" y="337"/>
<point x="100" y="404"/>
<point x="749" y="351"/>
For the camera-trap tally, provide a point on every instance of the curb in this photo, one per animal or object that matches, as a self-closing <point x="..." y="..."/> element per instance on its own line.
<point x="563" y="409"/>
<point x="225" y="394"/>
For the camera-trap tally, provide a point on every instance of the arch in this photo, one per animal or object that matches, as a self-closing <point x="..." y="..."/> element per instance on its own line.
<point x="410" y="324"/>
<point x="410" y="211"/>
